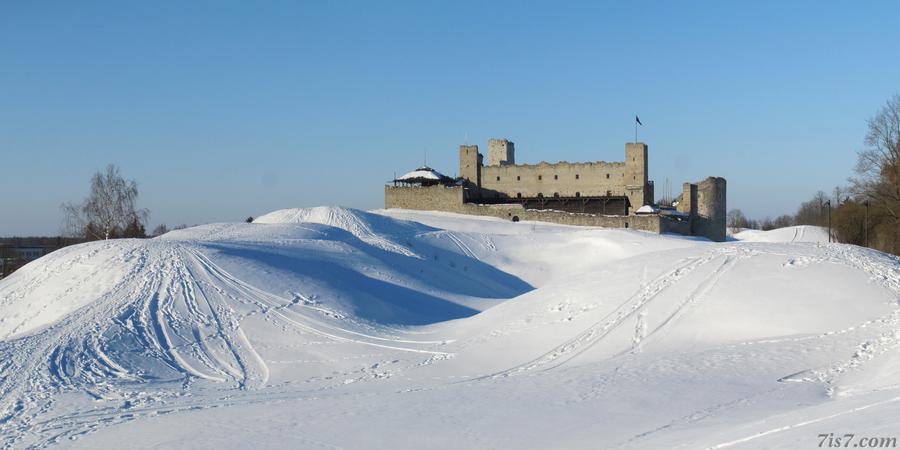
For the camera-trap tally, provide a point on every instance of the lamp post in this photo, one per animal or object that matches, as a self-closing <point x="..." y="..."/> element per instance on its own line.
<point x="828" y="204"/>
<point x="867" y="222"/>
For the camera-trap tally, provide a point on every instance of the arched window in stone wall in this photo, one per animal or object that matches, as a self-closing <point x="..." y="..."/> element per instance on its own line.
<point x="578" y="194"/>
<point x="556" y="194"/>
<point x="540" y="195"/>
<point x="518" y="195"/>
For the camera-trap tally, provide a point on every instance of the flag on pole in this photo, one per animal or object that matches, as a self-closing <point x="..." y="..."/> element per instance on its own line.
<point x="637" y="121"/>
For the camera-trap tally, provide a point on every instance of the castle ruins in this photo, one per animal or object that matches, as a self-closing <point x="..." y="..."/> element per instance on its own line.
<point x="604" y="194"/>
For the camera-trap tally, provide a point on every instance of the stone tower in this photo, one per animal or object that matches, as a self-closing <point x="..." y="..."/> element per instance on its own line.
<point x="688" y="202"/>
<point x="501" y="152"/>
<point x="636" y="182"/>
<point x="470" y="162"/>
<point x="711" y="209"/>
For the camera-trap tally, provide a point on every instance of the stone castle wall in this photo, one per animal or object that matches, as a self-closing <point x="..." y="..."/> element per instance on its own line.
<point x="502" y="179"/>
<point x="704" y="203"/>
<point x="451" y="199"/>
<point x="430" y="198"/>
<point x="565" y="179"/>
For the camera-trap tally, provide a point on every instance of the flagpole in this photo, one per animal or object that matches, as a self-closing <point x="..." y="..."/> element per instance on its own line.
<point x="637" y="122"/>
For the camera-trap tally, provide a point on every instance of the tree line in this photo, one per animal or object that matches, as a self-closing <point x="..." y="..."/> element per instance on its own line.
<point x="865" y="212"/>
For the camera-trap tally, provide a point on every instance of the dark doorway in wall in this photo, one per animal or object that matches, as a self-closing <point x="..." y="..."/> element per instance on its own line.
<point x="515" y="218"/>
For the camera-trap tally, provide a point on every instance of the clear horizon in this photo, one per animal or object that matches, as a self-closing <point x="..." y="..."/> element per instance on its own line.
<point x="223" y="110"/>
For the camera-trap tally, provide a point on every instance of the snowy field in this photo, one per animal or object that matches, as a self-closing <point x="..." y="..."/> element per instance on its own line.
<point x="336" y="328"/>
<point x="800" y="233"/>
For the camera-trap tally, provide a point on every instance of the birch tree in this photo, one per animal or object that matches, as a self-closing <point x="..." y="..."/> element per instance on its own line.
<point x="109" y="208"/>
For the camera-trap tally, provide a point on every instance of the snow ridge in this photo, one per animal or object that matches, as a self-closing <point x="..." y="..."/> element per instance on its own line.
<point x="316" y="313"/>
<point x="358" y="223"/>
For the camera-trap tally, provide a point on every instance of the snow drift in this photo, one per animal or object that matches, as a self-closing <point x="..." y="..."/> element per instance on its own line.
<point x="799" y="233"/>
<point x="326" y="326"/>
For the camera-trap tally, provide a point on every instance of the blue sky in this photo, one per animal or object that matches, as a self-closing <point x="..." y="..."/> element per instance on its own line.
<point x="223" y="110"/>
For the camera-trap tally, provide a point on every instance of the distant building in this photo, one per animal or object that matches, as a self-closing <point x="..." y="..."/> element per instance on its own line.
<point x="607" y="194"/>
<point x="30" y="253"/>
<point x="14" y="256"/>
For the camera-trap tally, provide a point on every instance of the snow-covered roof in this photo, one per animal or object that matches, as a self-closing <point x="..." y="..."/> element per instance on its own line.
<point x="647" y="209"/>
<point x="421" y="174"/>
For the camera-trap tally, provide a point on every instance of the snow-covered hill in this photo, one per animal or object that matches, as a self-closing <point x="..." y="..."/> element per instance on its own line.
<point x="799" y="233"/>
<point x="331" y="327"/>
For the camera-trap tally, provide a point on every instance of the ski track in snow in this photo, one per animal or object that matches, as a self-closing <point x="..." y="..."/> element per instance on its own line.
<point x="616" y="318"/>
<point x="884" y="270"/>
<point x="174" y="324"/>
<point x="186" y="323"/>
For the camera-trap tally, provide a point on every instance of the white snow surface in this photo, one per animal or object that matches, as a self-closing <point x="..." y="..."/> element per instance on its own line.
<point x="338" y="328"/>
<point x="799" y="233"/>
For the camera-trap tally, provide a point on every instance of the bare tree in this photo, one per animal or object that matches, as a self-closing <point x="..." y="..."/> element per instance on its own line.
<point x="736" y="220"/>
<point x="878" y="165"/>
<point x="812" y="212"/>
<point x="160" y="230"/>
<point x="109" y="209"/>
<point x="783" y="221"/>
